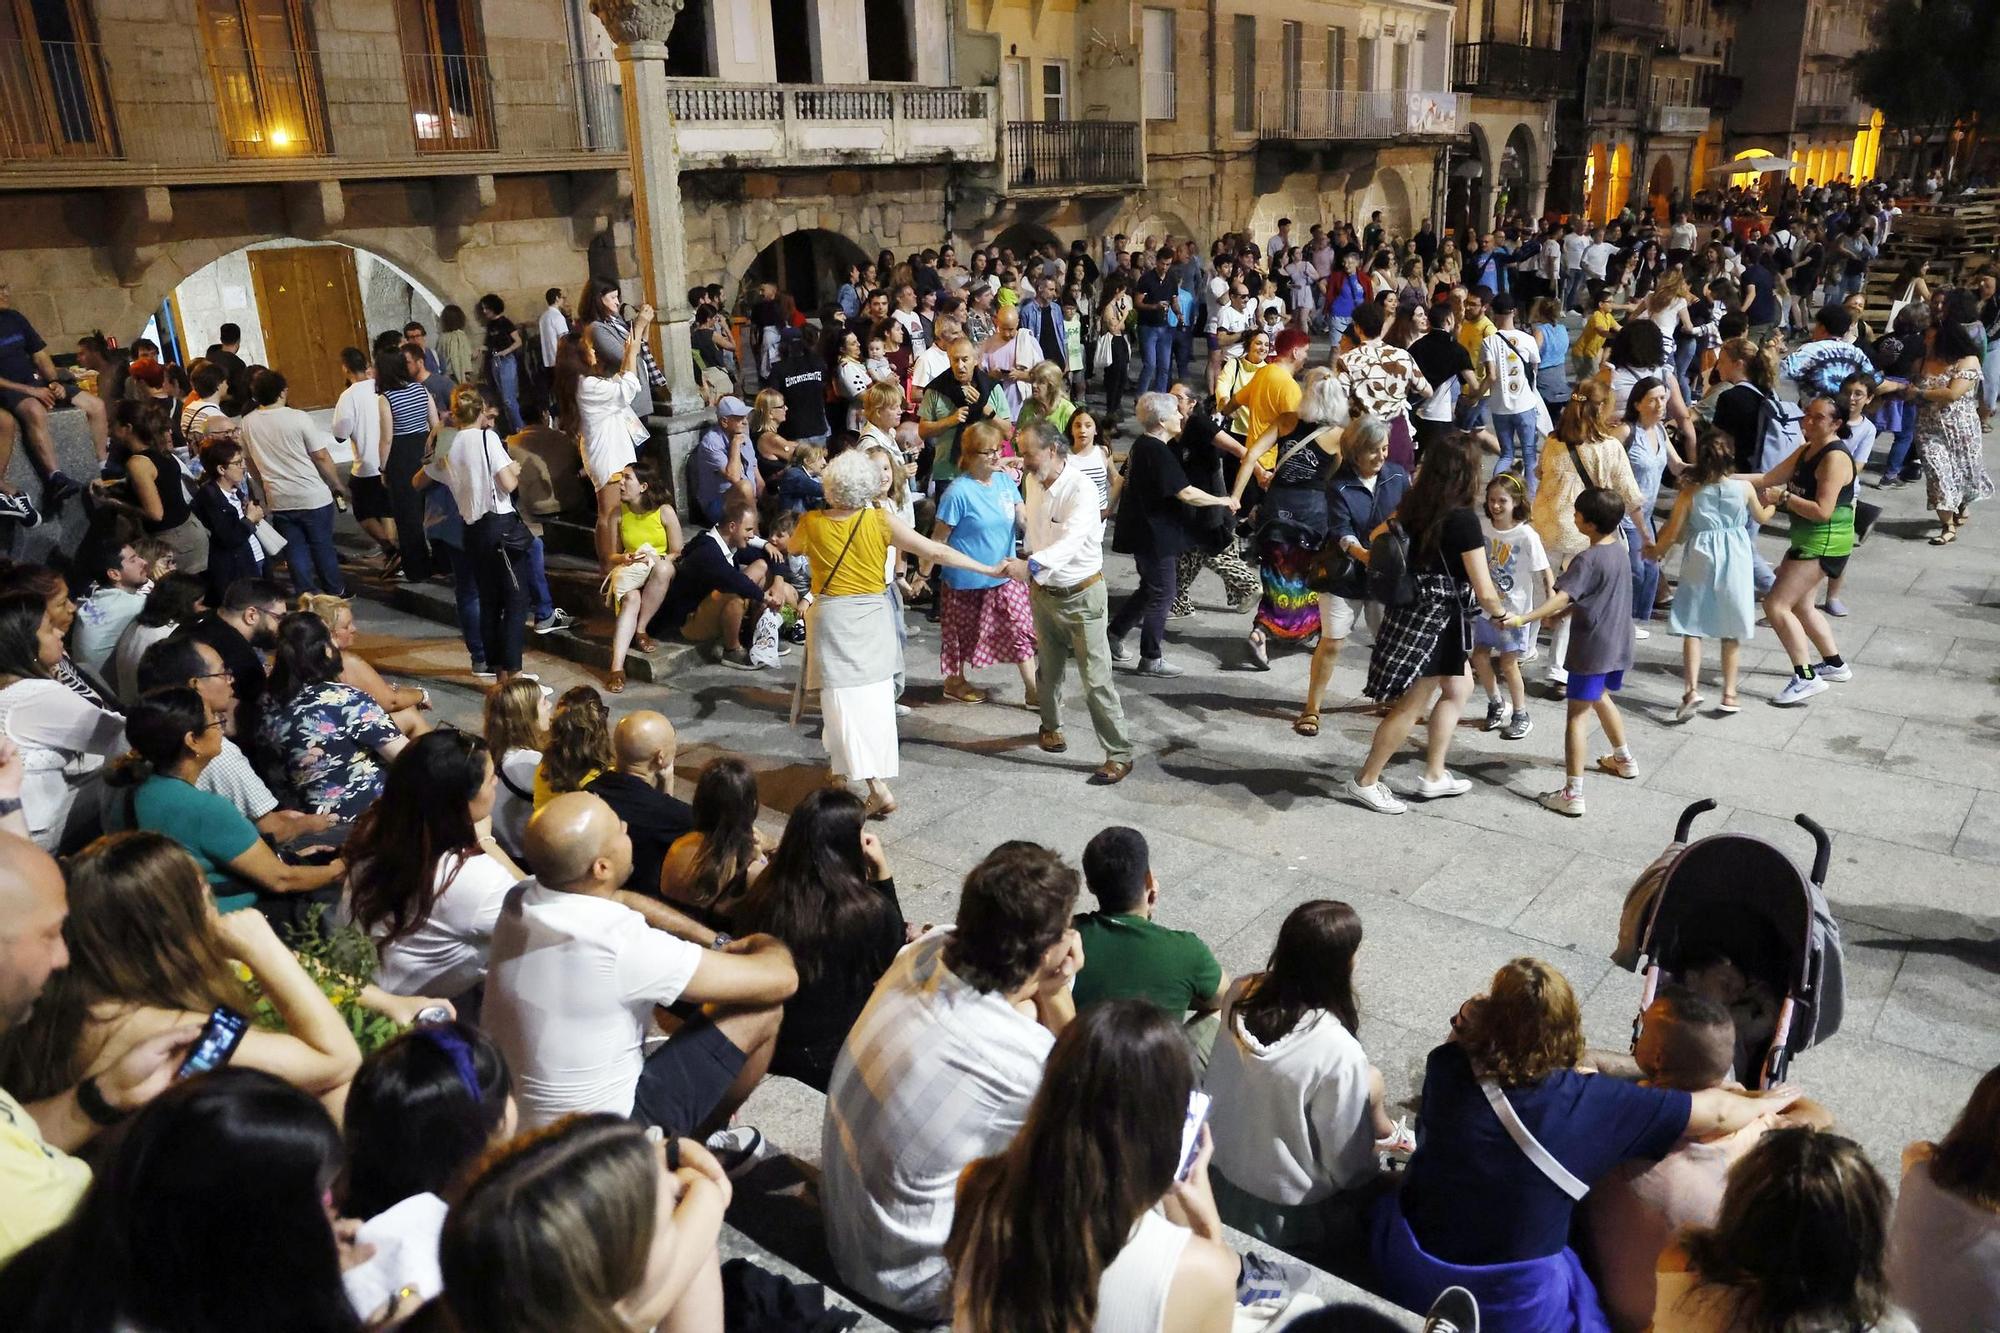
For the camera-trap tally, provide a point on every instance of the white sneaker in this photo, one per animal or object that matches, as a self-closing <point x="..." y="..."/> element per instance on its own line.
<point x="1451" y="784"/>
<point x="1562" y="802"/>
<point x="1799" y="689"/>
<point x="739" y="1148"/>
<point x="1377" y="798"/>
<point x="1641" y="632"/>
<point x="1834" y="673"/>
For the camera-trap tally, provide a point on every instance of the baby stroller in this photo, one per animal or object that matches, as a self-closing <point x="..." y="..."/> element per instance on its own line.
<point x="1736" y="901"/>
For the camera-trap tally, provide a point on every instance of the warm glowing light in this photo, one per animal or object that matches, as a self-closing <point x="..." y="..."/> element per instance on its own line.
<point x="280" y="137"/>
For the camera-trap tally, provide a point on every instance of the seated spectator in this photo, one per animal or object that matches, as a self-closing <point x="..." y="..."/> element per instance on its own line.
<point x="590" y="1224"/>
<point x="248" y="1157"/>
<point x="1127" y="955"/>
<point x="718" y="580"/>
<point x="1298" y="1114"/>
<point x="63" y="739"/>
<point x="225" y="507"/>
<point x="710" y="868"/>
<point x="828" y="895"/>
<point x="1685" y="1042"/>
<point x="1124" y="1242"/>
<point x="1477" y="1210"/>
<point x="903" y="1116"/>
<point x="186" y="661"/>
<point x="242" y="627"/>
<point x="405" y="704"/>
<point x="40" y="1181"/>
<point x="174" y="601"/>
<point x="640" y="791"/>
<point x="152" y="485"/>
<point x="649" y="537"/>
<point x="427" y="884"/>
<point x="113" y="602"/>
<point x="579" y="745"/>
<point x="576" y="971"/>
<point x="1799" y="1244"/>
<point x="798" y="488"/>
<point x="332" y="741"/>
<point x="175" y="736"/>
<point x="516" y="730"/>
<point x="1944" y="1248"/>
<point x="53" y="591"/>
<point x="421" y="1111"/>
<point x="147" y="955"/>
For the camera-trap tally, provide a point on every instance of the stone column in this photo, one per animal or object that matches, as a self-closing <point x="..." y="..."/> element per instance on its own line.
<point x="639" y="28"/>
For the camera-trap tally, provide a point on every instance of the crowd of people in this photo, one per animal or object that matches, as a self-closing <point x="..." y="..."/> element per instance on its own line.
<point x="519" y="1109"/>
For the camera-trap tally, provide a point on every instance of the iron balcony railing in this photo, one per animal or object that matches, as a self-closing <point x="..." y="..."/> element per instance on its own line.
<point x="270" y="107"/>
<point x="1329" y="114"/>
<point x="1045" y="153"/>
<point x="1161" y="94"/>
<point x="1503" y="69"/>
<point x="52" y="101"/>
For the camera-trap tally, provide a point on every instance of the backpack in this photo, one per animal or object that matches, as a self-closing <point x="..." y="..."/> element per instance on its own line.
<point x="1778" y="430"/>
<point x="1391" y="581"/>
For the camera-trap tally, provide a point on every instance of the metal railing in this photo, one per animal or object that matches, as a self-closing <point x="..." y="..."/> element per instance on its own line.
<point x="52" y="101"/>
<point x="1328" y="114"/>
<point x="600" y="105"/>
<point x="1662" y="118"/>
<point x="1648" y="16"/>
<point x="1161" y="94"/>
<point x="1842" y="111"/>
<point x="1502" y="69"/>
<point x="1044" y="153"/>
<point x="451" y="102"/>
<point x="271" y="107"/>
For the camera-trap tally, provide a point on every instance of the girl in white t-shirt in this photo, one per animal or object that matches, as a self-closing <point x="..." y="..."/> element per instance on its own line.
<point x="1520" y="566"/>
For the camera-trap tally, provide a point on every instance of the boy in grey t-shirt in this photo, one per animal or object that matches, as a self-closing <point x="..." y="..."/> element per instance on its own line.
<point x="1596" y="591"/>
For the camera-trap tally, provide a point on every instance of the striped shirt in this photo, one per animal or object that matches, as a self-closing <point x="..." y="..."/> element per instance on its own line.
<point x="409" y="412"/>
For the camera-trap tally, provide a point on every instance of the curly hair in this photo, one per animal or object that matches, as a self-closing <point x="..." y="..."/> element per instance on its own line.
<point x="1016" y="903"/>
<point x="579" y="741"/>
<point x="1527" y="1026"/>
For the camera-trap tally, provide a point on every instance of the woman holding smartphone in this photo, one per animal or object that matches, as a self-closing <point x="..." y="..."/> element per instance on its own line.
<point x="1060" y="1230"/>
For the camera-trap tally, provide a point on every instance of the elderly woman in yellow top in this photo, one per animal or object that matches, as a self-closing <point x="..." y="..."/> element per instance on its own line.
<point x="852" y="650"/>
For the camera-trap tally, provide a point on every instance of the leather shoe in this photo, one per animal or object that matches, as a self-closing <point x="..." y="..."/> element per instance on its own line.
<point x="1114" y="771"/>
<point x="1052" y="741"/>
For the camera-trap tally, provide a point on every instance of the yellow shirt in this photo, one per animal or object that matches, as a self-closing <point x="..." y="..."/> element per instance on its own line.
<point x="820" y="540"/>
<point x="636" y="530"/>
<point x="39" y="1183"/>
<point x="544" y="793"/>
<point x="1236" y="372"/>
<point x="1472" y="337"/>
<point x="1271" y="398"/>
<point x="1600" y="326"/>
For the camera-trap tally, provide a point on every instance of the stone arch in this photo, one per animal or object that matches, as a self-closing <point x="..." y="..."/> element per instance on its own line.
<point x="1521" y="167"/>
<point x="1660" y="186"/>
<point x="1467" y="193"/>
<point x="1022" y="237"/>
<point x="1157" y="224"/>
<point x="807" y="262"/>
<point x="1388" y="191"/>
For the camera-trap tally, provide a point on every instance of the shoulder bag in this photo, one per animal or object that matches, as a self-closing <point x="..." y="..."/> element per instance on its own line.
<point x="1391" y="581"/>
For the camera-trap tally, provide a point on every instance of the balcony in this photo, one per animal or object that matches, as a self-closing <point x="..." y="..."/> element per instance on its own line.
<point x="1693" y="42"/>
<point x="1366" y="117"/>
<point x="1845" y="112"/>
<point x="1073" y="156"/>
<point x="1161" y="94"/>
<point x="163" y="112"/>
<point x="739" y="126"/>
<point x="1691" y="121"/>
<point x="1499" y="69"/>
<point x="1645" y="18"/>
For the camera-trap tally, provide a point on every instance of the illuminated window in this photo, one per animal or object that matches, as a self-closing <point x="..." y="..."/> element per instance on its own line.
<point x="446" y="70"/>
<point x="266" y="74"/>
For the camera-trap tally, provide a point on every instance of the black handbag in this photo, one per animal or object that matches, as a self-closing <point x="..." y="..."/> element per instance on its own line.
<point x="1332" y="568"/>
<point x="1391" y="581"/>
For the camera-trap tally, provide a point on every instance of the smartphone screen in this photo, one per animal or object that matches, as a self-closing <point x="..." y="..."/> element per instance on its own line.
<point x="1197" y="1115"/>
<point x="217" y="1042"/>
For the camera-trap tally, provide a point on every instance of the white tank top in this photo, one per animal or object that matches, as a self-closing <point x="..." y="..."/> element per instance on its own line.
<point x="1132" y="1293"/>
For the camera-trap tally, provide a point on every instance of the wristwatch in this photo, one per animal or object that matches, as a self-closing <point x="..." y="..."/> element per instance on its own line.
<point x="721" y="940"/>
<point x="91" y="1102"/>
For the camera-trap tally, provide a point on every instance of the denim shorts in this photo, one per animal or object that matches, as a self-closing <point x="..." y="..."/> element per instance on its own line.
<point x="1499" y="639"/>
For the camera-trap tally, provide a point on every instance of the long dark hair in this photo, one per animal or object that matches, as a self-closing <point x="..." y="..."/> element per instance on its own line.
<point x="725" y="815"/>
<point x="305" y="655"/>
<point x="208" y="1216"/>
<point x="1967" y="1162"/>
<point x="573" y="366"/>
<point x="815" y="894"/>
<point x="1448" y="480"/>
<point x="409" y="846"/>
<point x="1311" y="967"/>
<point x="419" y="1112"/>
<point x="1037" y="1225"/>
<point x="21" y="616"/>
<point x="1801" y="1236"/>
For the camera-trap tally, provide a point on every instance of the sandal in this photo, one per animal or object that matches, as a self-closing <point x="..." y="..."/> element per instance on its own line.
<point x="615" y="683"/>
<point x="1689" y="703"/>
<point x="1945" y="537"/>
<point x="872" y="810"/>
<point x="1260" y="657"/>
<point x="1728" y="706"/>
<point x="1306" y="724"/>
<point x="645" y="643"/>
<point x="964" y="694"/>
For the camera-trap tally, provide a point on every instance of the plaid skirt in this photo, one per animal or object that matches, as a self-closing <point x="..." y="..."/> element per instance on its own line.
<point x="1430" y="637"/>
<point x="981" y="626"/>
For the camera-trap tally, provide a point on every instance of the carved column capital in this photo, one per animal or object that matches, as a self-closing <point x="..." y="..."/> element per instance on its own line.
<point x="630" y="21"/>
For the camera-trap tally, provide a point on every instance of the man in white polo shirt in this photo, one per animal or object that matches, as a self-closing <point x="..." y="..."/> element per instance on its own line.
<point x="578" y="967"/>
<point x="292" y="460"/>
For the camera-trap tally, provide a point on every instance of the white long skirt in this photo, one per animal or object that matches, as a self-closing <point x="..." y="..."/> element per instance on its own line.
<point x="860" y="730"/>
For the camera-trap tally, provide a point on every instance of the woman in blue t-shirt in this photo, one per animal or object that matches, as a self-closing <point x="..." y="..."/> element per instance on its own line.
<point x="982" y="620"/>
<point x="1511" y="1137"/>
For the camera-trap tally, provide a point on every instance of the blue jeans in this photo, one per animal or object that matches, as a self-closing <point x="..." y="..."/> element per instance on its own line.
<point x="507" y="384"/>
<point x="1645" y="573"/>
<point x="1684" y="350"/>
<point x="1518" y="435"/>
<point x="1183" y="351"/>
<point x="1156" y="352"/>
<point x="1905" y="437"/>
<point x="308" y="535"/>
<point x="465" y="590"/>
<point x="539" y="599"/>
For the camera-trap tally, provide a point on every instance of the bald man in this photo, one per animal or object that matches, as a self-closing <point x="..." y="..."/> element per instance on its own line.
<point x="40" y="1182"/>
<point x="639" y="788"/>
<point x="578" y="968"/>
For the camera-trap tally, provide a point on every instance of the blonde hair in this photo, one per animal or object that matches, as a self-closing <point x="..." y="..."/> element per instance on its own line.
<point x="327" y="607"/>
<point x="976" y="436"/>
<point x="768" y="400"/>
<point x="899" y="471"/>
<point x="467" y="402"/>
<point x="513" y="718"/>
<point x="879" y="397"/>
<point x="1045" y="383"/>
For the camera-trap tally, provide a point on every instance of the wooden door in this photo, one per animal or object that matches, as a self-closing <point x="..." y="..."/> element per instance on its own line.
<point x="310" y="305"/>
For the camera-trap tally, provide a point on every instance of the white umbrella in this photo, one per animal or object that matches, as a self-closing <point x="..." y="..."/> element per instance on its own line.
<point x="1753" y="164"/>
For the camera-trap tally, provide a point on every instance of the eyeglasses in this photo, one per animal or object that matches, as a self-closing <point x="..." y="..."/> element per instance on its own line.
<point x="210" y="675"/>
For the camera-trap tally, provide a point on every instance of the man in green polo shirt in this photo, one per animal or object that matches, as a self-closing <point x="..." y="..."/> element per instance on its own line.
<point x="1127" y="956"/>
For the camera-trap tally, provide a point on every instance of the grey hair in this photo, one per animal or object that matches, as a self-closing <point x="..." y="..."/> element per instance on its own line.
<point x="1153" y="408"/>
<point x="851" y="481"/>
<point x="1364" y="433"/>
<point x="1322" y="402"/>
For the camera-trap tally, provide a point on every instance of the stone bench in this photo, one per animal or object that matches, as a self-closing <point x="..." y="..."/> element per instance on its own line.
<point x="75" y="455"/>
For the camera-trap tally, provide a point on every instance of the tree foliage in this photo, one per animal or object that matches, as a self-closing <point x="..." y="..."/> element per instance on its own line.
<point x="1932" y="62"/>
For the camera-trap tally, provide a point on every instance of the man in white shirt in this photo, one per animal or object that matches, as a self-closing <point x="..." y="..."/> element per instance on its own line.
<point x="1597" y="255"/>
<point x="1279" y="243"/>
<point x="1682" y="235"/>
<point x="936" y="359"/>
<point x="1510" y="360"/>
<point x="290" y="458"/>
<point x="939" y="1071"/>
<point x="1229" y="330"/>
<point x="578" y="967"/>
<point x="906" y="314"/>
<point x="554" y="323"/>
<point x="1064" y="569"/>
<point x="114" y="603"/>
<point x="1574" y="242"/>
<point x="357" y="422"/>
